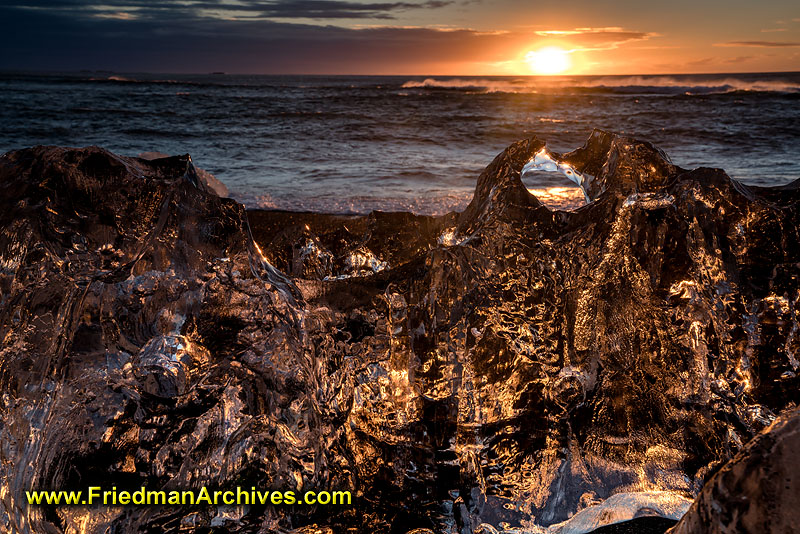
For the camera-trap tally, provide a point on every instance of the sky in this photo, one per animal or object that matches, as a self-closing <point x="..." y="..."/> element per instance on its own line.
<point x="405" y="37"/>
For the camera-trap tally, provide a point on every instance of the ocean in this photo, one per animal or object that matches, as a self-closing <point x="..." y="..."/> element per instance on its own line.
<point x="352" y="144"/>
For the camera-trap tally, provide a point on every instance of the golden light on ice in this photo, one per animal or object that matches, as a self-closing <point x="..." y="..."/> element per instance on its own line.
<point x="550" y="60"/>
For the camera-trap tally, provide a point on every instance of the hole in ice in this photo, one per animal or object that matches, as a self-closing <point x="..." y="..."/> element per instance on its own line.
<point x="554" y="192"/>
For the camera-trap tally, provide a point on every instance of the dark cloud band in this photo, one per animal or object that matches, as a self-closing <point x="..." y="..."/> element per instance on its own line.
<point x="760" y="44"/>
<point x="284" y="9"/>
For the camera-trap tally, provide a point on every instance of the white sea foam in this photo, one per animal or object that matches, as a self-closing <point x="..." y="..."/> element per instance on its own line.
<point x="644" y="84"/>
<point x="481" y="84"/>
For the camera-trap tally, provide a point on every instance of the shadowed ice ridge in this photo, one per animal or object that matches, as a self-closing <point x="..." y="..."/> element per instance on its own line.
<point x="506" y="368"/>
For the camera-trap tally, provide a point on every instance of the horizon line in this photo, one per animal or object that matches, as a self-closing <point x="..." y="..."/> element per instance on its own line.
<point x="223" y="73"/>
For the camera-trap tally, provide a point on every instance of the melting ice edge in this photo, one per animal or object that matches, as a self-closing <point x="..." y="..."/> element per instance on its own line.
<point x="508" y="367"/>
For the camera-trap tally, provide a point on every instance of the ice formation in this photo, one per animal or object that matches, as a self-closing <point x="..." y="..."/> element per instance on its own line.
<point x="509" y="368"/>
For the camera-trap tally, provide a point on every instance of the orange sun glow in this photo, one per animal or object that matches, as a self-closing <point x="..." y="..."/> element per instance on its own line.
<point x="546" y="61"/>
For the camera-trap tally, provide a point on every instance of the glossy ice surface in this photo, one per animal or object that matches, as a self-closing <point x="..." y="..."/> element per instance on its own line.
<point x="507" y="368"/>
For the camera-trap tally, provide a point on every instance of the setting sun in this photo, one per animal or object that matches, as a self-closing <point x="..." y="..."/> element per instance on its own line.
<point x="550" y="60"/>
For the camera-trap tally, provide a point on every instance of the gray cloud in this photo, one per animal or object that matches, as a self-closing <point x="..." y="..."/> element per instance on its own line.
<point x="283" y="9"/>
<point x="66" y="35"/>
<point x="587" y="39"/>
<point x="759" y="44"/>
<point x="36" y="39"/>
<point x="320" y="9"/>
<point x="738" y="59"/>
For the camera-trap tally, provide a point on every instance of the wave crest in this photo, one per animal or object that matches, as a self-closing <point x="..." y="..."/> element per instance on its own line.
<point x="481" y="84"/>
<point x="615" y="84"/>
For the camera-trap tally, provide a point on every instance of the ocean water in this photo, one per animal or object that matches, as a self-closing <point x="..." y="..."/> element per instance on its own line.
<point x="350" y="144"/>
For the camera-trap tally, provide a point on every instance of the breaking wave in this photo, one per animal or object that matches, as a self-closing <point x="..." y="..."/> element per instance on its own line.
<point x="614" y="84"/>
<point x="125" y="79"/>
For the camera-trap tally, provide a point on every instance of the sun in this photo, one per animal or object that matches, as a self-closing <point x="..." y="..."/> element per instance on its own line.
<point x="547" y="61"/>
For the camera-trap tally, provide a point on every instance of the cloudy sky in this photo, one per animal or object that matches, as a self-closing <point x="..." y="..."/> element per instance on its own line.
<point x="458" y="37"/>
